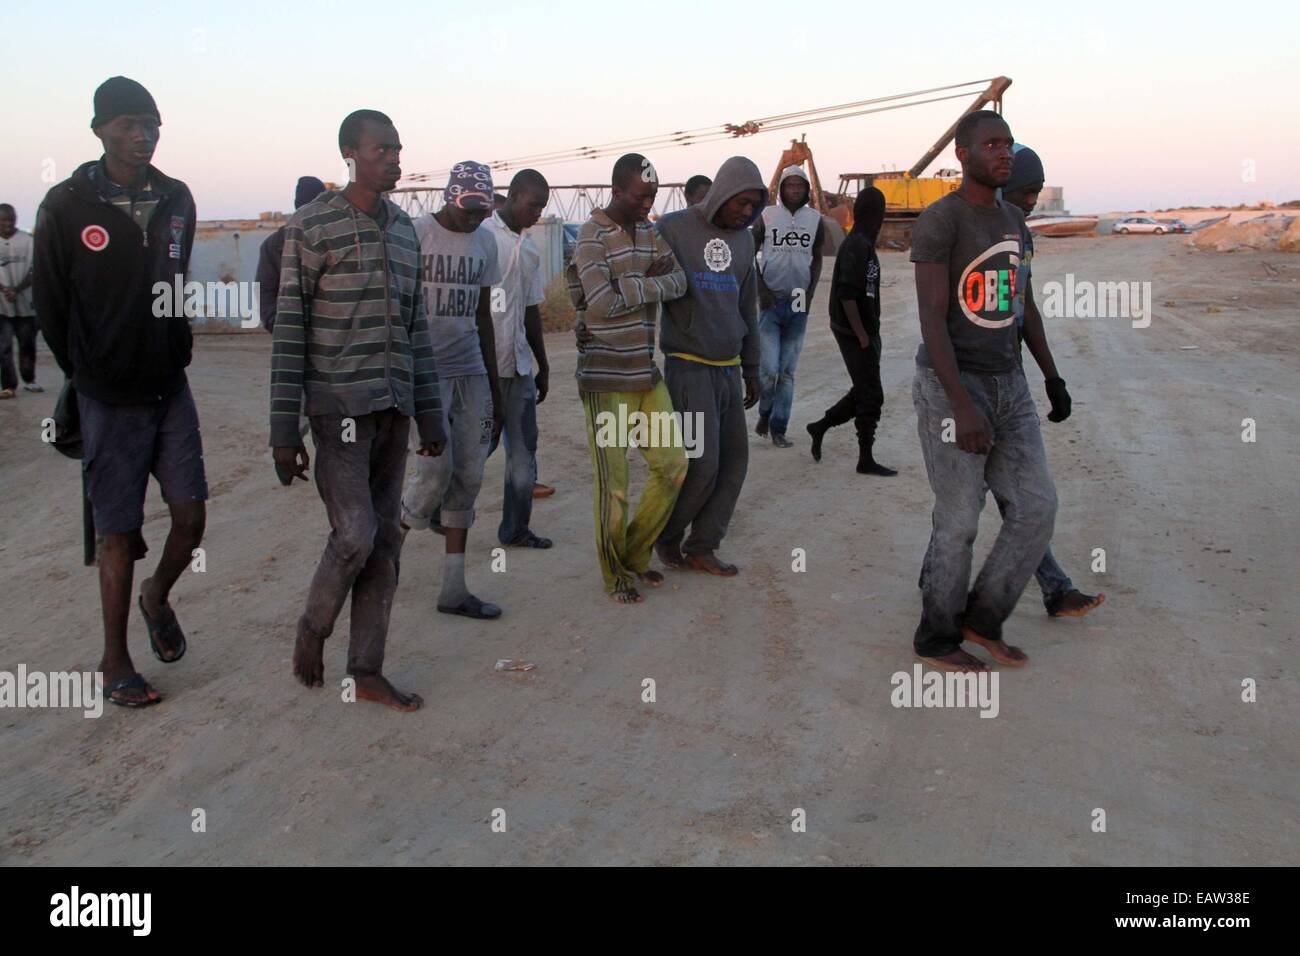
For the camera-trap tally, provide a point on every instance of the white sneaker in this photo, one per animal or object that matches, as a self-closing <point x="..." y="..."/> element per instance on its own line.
<point x="32" y="387"/>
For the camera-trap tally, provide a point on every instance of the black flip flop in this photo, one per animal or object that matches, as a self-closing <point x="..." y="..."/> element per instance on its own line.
<point x="134" y="682"/>
<point x="473" y="607"/>
<point x="165" y="626"/>
<point x="530" y="540"/>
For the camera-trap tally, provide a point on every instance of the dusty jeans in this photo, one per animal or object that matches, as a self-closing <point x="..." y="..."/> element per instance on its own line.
<point x="1052" y="579"/>
<point x="519" y="398"/>
<point x="1016" y="472"/>
<point x="442" y="490"/>
<point x="360" y="482"/>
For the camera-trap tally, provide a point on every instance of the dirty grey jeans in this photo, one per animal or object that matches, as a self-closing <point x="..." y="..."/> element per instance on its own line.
<point x="713" y="480"/>
<point x="442" y="491"/>
<point x="360" y="482"/>
<point x="1052" y="579"/>
<point x="1016" y="472"/>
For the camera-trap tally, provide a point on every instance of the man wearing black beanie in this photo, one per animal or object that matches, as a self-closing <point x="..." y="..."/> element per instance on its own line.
<point x="268" y="257"/>
<point x="104" y="238"/>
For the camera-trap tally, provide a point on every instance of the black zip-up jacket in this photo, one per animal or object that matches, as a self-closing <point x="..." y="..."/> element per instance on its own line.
<point x="93" y="282"/>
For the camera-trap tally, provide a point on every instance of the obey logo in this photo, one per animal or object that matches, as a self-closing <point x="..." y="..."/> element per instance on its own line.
<point x="95" y="238"/>
<point x="791" y="237"/>
<point x="988" y="284"/>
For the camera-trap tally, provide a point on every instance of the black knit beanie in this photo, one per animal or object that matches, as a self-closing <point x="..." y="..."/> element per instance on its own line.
<point x="119" y="96"/>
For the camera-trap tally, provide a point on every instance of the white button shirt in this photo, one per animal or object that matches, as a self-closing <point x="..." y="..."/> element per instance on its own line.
<point x="521" y="286"/>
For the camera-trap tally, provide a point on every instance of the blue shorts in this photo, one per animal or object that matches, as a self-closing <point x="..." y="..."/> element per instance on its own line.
<point x="124" y="444"/>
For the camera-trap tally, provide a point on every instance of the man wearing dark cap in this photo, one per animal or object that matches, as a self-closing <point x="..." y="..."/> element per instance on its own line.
<point x="459" y="266"/>
<point x="268" y="258"/>
<point x="104" y="237"/>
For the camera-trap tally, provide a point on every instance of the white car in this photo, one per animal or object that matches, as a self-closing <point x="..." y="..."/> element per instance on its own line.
<point x="1140" y="224"/>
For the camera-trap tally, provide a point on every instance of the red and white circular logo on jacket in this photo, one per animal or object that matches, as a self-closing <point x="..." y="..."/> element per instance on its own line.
<point x="95" y="238"/>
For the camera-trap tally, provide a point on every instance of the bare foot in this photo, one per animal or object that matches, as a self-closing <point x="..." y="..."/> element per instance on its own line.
<point x="958" y="660"/>
<point x="708" y="562"/>
<point x="1077" y="604"/>
<point x="1002" y="652"/>
<point x="651" y="578"/>
<point x="308" y="665"/>
<point x="376" y="687"/>
<point x="626" y="595"/>
<point x="671" y="555"/>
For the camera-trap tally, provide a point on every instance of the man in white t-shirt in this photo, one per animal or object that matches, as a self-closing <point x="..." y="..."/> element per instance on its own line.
<point x="520" y="350"/>
<point x="17" y="316"/>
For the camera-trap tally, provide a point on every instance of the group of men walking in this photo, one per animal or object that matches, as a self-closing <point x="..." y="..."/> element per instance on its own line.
<point x="380" y="323"/>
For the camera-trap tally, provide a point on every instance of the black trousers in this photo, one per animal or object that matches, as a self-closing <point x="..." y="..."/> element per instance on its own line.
<point x="23" y="328"/>
<point x="862" y="402"/>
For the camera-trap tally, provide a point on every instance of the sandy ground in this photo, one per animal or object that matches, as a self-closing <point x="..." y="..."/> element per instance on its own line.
<point x="773" y="689"/>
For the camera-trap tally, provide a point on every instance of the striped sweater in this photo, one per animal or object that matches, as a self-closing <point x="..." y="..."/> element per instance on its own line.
<point x="616" y="302"/>
<point x="351" y="327"/>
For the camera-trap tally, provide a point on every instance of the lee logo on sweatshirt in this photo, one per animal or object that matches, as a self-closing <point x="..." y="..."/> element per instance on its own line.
<point x="95" y="238"/>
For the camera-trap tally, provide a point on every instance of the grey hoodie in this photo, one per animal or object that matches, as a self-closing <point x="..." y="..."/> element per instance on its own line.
<point x="717" y="319"/>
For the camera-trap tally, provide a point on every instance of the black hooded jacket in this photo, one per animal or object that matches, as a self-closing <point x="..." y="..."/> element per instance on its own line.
<point x="857" y="268"/>
<point x="93" y="281"/>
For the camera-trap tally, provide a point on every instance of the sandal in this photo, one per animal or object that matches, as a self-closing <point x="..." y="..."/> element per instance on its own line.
<point x="472" y="607"/>
<point x="116" y="692"/>
<point x="166" y="631"/>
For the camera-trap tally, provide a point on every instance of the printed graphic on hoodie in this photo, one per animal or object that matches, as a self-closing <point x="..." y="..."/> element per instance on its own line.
<point x="454" y="267"/>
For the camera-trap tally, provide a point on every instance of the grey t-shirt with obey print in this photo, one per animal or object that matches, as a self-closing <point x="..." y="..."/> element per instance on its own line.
<point x="981" y="246"/>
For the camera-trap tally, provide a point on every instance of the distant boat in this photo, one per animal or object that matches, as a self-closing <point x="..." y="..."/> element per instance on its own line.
<point x="1206" y="223"/>
<point x="1063" y="225"/>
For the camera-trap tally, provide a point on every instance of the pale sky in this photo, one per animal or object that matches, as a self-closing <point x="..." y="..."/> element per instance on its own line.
<point x="1131" y="106"/>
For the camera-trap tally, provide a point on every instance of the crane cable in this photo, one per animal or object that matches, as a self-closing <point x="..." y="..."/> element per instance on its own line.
<point x="706" y="134"/>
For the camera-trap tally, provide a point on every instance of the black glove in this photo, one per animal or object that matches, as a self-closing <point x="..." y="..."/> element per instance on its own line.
<point x="1060" y="399"/>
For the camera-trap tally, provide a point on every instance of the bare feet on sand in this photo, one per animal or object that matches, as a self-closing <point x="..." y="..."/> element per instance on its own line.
<point x="709" y="563"/>
<point x="1077" y="604"/>
<point x="376" y="687"/>
<point x="626" y="595"/>
<point x="308" y="665"/>
<point x="1002" y="652"/>
<point x="958" y="660"/>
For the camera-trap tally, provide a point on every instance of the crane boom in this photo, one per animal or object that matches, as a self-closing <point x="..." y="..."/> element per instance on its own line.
<point x="993" y="94"/>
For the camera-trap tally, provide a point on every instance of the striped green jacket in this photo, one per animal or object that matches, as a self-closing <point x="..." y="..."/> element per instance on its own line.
<point x="616" y="301"/>
<point x="351" y="328"/>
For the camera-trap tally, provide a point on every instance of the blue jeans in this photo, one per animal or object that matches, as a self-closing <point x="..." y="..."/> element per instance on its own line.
<point x="519" y="398"/>
<point x="1016" y="472"/>
<point x="780" y="337"/>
